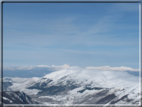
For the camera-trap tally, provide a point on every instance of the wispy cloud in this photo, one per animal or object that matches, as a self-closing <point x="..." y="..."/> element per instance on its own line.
<point x="54" y="66"/>
<point x="108" y="68"/>
<point x="66" y="66"/>
<point x="72" y="35"/>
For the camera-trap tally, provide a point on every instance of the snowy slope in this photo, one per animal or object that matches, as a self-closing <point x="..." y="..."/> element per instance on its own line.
<point x="77" y="85"/>
<point x="21" y="84"/>
<point x="106" y="79"/>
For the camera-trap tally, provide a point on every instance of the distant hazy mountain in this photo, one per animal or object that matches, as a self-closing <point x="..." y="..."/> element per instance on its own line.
<point x="27" y="73"/>
<point x="134" y="73"/>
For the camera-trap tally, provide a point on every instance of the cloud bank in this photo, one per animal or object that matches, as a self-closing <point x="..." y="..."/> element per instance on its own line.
<point x="65" y="66"/>
<point x="108" y="68"/>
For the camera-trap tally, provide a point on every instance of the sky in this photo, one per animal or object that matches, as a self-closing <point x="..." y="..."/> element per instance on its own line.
<point x="78" y="34"/>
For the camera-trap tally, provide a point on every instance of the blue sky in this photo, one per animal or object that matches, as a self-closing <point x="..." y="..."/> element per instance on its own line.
<point x="79" y="34"/>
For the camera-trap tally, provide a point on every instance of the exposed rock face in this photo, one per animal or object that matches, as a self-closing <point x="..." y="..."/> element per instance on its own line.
<point x="16" y="97"/>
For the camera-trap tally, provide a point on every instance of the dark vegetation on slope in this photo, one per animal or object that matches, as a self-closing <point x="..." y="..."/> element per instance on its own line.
<point x="17" y="97"/>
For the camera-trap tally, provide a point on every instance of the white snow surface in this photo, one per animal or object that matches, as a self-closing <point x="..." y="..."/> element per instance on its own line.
<point x="108" y="79"/>
<point x="115" y="80"/>
<point x="7" y="99"/>
<point x="20" y="84"/>
<point x="120" y="83"/>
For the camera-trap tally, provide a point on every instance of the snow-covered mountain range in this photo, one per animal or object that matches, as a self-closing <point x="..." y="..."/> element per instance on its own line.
<point x="75" y="85"/>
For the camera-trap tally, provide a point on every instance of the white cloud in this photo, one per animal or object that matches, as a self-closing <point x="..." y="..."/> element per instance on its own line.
<point x="43" y="66"/>
<point x="62" y="66"/>
<point x="108" y="68"/>
<point x="65" y="66"/>
<point x="24" y="68"/>
<point x="32" y="67"/>
<point x="54" y="66"/>
<point x="18" y="68"/>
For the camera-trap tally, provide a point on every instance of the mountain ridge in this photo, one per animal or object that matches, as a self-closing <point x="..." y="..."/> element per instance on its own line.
<point x="76" y="85"/>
